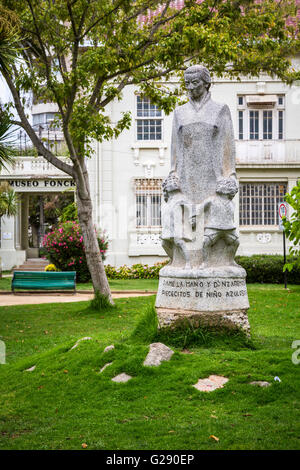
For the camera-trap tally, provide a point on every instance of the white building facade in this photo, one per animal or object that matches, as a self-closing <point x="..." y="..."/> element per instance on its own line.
<point x="126" y="173"/>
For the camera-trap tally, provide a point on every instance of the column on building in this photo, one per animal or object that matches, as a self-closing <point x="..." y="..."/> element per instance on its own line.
<point x="24" y="220"/>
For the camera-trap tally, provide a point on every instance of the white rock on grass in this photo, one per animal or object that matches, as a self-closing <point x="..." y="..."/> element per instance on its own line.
<point x="81" y="339"/>
<point x="104" y="367"/>
<point x="109" y="348"/>
<point x="122" y="378"/>
<point x="260" y="383"/>
<point x="158" y="352"/>
<point x="211" y="383"/>
<point x="31" y="369"/>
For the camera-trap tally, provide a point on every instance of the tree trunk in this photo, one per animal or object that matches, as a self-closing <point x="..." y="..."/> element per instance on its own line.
<point x="92" y="251"/>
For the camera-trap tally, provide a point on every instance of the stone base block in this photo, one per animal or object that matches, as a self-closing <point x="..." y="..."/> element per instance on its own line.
<point x="210" y="298"/>
<point x="222" y="320"/>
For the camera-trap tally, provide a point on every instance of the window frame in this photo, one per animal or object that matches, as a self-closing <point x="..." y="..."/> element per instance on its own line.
<point x="259" y="193"/>
<point x="151" y="211"/>
<point x="244" y="124"/>
<point x="144" y="118"/>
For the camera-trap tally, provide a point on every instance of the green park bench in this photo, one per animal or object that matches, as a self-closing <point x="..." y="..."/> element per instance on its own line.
<point x="44" y="280"/>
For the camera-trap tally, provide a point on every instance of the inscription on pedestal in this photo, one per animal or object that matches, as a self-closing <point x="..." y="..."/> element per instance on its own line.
<point x="203" y="294"/>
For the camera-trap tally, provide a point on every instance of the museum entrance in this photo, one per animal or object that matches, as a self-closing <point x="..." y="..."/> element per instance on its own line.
<point x="41" y="205"/>
<point x="39" y="214"/>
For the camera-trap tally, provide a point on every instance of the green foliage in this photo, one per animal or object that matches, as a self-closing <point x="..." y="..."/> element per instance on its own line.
<point x="264" y="269"/>
<point x="267" y="269"/>
<point x="100" y="302"/>
<point x="109" y="45"/>
<point x="8" y="200"/>
<point x="146" y="329"/>
<point x="187" y="335"/>
<point x="64" y="248"/>
<point x="6" y="139"/>
<point x="9" y="37"/>
<point x="137" y="271"/>
<point x="292" y="227"/>
<point x="260" y="268"/>
<point x="24" y="152"/>
<point x="69" y="213"/>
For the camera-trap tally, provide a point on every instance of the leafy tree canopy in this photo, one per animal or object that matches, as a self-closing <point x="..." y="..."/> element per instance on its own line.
<point x="87" y="51"/>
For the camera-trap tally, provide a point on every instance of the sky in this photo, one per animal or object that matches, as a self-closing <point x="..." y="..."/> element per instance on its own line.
<point x="4" y="91"/>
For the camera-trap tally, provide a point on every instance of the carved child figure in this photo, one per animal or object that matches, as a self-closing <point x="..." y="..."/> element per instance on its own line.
<point x="176" y="227"/>
<point x="219" y="219"/>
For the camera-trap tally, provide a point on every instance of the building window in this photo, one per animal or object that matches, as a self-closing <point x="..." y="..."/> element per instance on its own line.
<point x="259" y="203"/>
<point x="241" y="125"/>
<point x="148" y="195"/>
<point x="148" y="126"/>
<point x="260" y="119"/>
<point x="44" y="119"/>
<point x="267" y="125"/>
<point x="280" y="125"/>
<point x="253" y="125"/>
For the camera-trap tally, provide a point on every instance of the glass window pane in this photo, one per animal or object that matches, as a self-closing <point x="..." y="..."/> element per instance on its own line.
<point x="259" y="203"/>
<point x="280" y="125"/>
<point x="241" y="125"/>
<point x="253" y="125"/>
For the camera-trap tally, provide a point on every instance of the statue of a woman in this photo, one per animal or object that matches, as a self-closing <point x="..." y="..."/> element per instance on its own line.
<point x="202" y="151"/>
<point x="203" y="147"/>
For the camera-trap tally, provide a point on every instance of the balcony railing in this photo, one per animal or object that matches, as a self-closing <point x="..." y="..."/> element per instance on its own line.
<point x="268" y="151"/>
<point x="32" y="166"/>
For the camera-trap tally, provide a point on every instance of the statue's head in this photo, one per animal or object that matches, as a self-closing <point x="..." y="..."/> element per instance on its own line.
<point x="197" y="81"/>
<point x="227" y="186"/>
<point x="170" y="184"/>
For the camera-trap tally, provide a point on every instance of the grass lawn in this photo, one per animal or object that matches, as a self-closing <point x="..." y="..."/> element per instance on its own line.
<point x="115" y="284"/>
<point x="66" y="402"/>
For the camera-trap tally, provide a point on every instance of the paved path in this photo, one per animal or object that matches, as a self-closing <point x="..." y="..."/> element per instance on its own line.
<point x="29" y="299"/>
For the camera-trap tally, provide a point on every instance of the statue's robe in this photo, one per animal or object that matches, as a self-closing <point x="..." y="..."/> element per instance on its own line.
<point x="203" y="147"/>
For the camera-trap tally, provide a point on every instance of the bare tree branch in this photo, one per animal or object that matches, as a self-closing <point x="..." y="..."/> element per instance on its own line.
<point x="28" y="128"/>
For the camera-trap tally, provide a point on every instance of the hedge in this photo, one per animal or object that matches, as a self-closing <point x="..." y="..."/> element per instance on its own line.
<point x="137" y="271"/>
<point x="265" y="269"/>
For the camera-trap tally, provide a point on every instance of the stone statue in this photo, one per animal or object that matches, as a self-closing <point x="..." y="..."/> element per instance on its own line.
<point x="219" y="221"/>
<point x="202" y="283"/>
<point x="176" y="226"/>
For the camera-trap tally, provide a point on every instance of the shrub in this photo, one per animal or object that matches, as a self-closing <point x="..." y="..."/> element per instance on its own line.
<point x="292" y="227"/>
<point x="267" y="269"/>
<point x="65" y="249"/>
<point x="69" y="213"/>
<point x="260" y="268"/>
<point x="137" y="271"/>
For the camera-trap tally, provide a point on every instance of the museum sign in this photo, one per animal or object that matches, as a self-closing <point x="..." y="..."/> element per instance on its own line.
<point x="41" y="184"/>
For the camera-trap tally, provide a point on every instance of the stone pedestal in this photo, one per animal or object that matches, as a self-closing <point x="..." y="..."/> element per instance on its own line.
<point x="214" y="297"/>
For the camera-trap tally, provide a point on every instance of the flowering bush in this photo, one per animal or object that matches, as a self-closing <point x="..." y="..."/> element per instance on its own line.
<point x="137" y="271"/>
<point x="50" y="267"/>
<point x="65" y="249"/>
